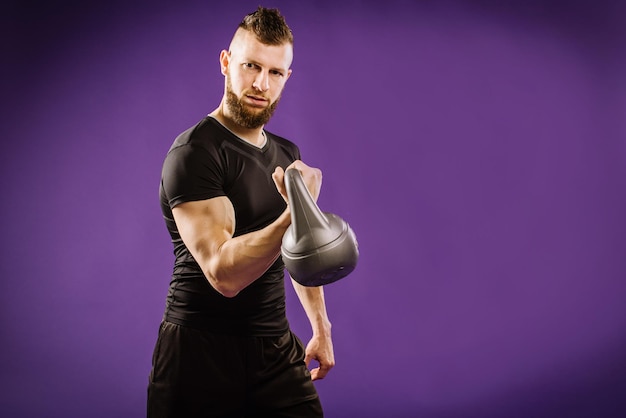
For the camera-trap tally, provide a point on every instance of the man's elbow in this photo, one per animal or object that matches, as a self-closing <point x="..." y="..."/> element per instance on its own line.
<point x="227" y="292"/>
<point x="223" y="286"/>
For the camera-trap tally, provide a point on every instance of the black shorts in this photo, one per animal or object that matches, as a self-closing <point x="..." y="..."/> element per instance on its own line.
<point x="196" y="373"/>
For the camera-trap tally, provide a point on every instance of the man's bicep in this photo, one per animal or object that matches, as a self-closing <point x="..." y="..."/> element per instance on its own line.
<point x="204" y="225"/>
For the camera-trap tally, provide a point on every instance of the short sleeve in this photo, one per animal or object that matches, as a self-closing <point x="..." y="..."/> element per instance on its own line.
<point x="191" y="173"/>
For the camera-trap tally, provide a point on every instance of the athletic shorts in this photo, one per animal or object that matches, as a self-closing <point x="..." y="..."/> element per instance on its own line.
<point x="196" y="374"/>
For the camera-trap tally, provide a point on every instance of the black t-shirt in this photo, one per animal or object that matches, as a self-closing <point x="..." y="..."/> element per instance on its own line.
<point x="208" y="161"/>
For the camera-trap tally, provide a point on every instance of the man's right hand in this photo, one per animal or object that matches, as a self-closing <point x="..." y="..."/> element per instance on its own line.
<point x="312" y="179"/>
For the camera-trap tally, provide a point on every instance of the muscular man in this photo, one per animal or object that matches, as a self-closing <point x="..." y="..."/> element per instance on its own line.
<point x="224" y="347"/>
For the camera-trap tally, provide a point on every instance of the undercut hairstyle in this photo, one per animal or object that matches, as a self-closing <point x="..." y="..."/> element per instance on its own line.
<point x="268" y="25"/>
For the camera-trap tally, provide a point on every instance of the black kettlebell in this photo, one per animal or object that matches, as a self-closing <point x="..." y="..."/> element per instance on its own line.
<point x="318" y="248"/>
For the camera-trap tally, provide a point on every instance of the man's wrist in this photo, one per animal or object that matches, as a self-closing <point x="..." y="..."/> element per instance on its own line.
<point x="322" y="328"/>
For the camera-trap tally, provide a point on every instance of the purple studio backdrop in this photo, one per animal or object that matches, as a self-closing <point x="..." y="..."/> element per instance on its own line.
<point x="477" y="149"/>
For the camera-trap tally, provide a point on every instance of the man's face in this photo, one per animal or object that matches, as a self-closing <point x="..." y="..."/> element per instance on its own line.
<point x="255" y="76"/>
<point x="243" y="113"/>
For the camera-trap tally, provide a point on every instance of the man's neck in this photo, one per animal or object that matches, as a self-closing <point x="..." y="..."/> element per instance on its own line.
<point x="254" y="136"/>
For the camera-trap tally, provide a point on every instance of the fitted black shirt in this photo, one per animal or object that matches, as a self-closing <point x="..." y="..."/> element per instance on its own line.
<point x="208" y="161"/>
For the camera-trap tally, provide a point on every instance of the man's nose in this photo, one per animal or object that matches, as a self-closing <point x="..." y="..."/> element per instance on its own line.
<point x="262" y="81"/>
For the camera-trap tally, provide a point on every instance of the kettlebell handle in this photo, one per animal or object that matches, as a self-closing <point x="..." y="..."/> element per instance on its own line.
<point x="305" y="214"/>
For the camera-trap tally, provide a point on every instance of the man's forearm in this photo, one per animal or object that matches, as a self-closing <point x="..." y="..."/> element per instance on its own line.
<point x="320" y="347"/>
<point x="314" y="304"/>
<point x="243" y="259"/>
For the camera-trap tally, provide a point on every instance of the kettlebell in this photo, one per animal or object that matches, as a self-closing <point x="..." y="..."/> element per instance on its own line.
<point x="318" y="247"/>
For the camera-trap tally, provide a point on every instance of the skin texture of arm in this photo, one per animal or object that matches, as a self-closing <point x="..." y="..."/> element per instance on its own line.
<point x="232" y="263"/>
<point x="229" y="264"/>
<point x="320" y="347"/>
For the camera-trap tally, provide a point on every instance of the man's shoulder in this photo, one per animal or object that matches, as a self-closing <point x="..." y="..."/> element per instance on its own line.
<point x="204" y="133"/>
<point x="281" y="141"/>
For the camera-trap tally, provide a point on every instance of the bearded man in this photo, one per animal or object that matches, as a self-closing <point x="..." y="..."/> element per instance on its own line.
<point x="225" y="348"/>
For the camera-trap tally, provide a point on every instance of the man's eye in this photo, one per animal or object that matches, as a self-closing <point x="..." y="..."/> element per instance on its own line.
<point x="249" y="66"/>
<point x="276" y="73"/>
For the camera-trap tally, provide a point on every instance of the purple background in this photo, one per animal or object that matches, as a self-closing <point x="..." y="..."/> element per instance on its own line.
<point x="477" y="148"/>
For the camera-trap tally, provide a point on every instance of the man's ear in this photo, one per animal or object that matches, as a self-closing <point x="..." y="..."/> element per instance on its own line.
<point x="224" y="61"/>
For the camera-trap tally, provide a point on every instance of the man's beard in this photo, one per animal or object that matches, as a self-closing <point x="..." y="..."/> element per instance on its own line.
<point x="244" y="117"/>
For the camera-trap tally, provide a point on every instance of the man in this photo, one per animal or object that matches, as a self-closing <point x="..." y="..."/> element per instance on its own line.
<point x="224" y="347"/>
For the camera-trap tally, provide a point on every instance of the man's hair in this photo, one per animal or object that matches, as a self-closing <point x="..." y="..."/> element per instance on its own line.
<point x="268" y="25"/>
